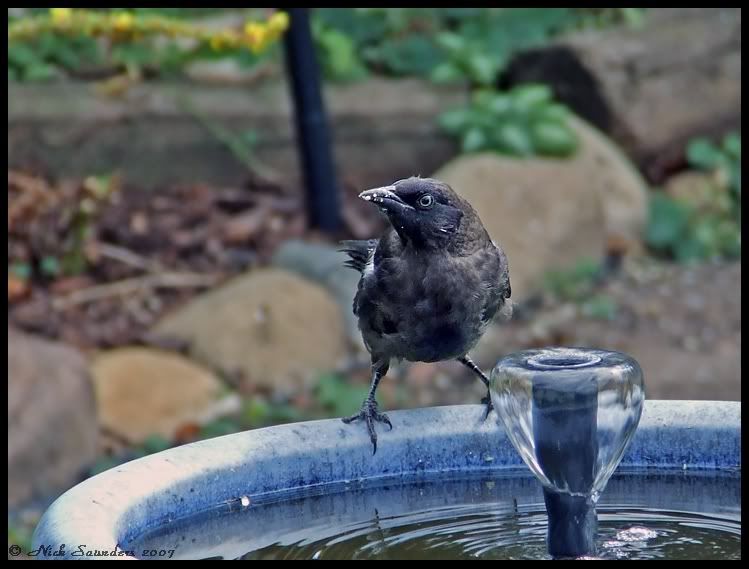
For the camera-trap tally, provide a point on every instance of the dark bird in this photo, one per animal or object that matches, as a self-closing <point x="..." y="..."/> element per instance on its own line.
<point x="429" y="286"/>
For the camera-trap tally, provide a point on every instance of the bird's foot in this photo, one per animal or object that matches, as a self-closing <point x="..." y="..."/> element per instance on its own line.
<point x="487" y="401"/>
<point x="370" y="414"/>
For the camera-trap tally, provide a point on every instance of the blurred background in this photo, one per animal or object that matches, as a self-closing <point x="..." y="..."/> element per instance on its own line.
<point x="172" y="263"/>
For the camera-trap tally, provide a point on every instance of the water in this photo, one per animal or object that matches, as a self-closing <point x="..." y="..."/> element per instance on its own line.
<point x="570" y="413"/>
<point x="664" y="515"/>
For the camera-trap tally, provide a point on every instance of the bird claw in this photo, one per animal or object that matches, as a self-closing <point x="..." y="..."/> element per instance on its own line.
<point x="370" y="414"/>
<point x="489" y="406"/>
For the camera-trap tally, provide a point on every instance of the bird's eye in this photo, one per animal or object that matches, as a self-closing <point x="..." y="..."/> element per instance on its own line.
<point x="426" y="200"/>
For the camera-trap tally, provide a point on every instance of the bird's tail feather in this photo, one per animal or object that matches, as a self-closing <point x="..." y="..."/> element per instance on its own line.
<point x="359" y="252"/>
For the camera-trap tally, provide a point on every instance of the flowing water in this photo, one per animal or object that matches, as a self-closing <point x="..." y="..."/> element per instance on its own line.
<point x="488" y="515"/>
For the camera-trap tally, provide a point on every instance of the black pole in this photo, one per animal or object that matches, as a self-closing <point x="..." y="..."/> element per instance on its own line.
<point x="313" y="134"/>
<point x="565" y="414"/>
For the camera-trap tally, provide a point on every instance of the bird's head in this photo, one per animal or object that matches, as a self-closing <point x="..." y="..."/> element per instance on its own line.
<point x="423" y="211"/>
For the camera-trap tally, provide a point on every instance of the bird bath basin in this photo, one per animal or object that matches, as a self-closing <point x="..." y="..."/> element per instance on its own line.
<point x="442" y="485"/>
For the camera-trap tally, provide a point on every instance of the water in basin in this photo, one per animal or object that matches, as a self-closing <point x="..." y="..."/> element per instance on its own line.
<point x="488" y="515"/>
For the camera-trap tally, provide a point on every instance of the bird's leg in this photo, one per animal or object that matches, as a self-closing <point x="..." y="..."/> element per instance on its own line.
<point x="468" y="362"/>
<point x="368" y="410"/>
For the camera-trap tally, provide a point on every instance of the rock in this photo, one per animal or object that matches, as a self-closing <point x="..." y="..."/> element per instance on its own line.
<point x="548" y="213"/>
<point x="700" y="191"/>
<point x="52" y="427"/>
<point x="622" y="190"/>
<point x="276" y="328"/>
<point x="323" y="264"/>
<point x="653" y="87"/>
<point x="143" y="391"/>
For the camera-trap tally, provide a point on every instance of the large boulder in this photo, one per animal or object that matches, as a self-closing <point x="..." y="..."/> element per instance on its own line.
<point x="52" y="427"/>
<point x="323" y="264"/>
<point x="551" y="213"/>
<point x="275" y="328"/>
<point x="142" y="392"/>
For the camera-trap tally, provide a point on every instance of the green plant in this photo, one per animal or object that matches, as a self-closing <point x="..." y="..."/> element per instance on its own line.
<point x="688" y="229"/>
<point x="481" y="45"/>
<point x="601" y="307"/>
<point x="337" y="396"/>
<point x="522" y="122"/>
<point x="723" y="161"/>
<point x="576" y="283"/>
<point x="64" y="38"/>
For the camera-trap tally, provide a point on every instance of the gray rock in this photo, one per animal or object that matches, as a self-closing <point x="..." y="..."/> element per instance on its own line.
<point x="52" y="426"/>
<point x="323" y="264"/>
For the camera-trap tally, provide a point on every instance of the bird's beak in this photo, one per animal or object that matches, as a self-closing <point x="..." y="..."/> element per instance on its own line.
<point x="385" y="197"/>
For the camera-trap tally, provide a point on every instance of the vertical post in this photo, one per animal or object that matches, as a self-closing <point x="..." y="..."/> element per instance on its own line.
<point x="312" y="130"/>
<point x="565" y="417"/>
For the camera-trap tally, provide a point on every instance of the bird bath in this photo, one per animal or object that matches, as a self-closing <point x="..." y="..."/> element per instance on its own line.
<point x="442" y="485"/>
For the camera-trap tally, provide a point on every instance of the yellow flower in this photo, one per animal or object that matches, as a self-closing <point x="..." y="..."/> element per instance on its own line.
<point x="254" y="31"/>
<point x="123" y="22"/>
<point x="278" y="22"/>
<point x="61" y="16"/>
<point x="216" y="43"/>
<point x="223" y="40"/>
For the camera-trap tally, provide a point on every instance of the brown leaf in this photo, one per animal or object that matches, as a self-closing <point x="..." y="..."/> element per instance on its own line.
<point x="246" y="226"/>
<point x="17" y="288"/>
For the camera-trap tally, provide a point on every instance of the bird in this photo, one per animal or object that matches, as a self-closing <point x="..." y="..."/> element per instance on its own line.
<point x="429" y="286"/>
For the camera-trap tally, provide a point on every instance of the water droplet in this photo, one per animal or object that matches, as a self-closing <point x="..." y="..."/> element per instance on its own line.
<point x="636" y="534"/>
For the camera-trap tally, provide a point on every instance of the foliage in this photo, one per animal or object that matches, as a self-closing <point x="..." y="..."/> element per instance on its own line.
<point x="706" y="226"/>
<point x="66" y="38"/>
<point x="479" y="47"/>
<point x="20" y="534"/>
<point x="574" y="284"/>
<point x="604" y="17"/>
<point x="723" y="161"/>
<point x="447" y="44"/>
<point x="339" y="397"/>
<point x="520" y="122"/>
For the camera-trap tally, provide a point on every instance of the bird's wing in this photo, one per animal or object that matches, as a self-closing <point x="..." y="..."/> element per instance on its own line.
<point x="505" y="271"/>
<point x="496" y="301"/>
<point x="360" y="252"/>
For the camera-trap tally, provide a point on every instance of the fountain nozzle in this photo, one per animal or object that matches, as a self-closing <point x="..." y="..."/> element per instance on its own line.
<point x="570" y="413"/>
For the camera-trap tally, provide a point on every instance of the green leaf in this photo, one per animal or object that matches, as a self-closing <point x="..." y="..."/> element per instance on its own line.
<point x="451" y="42"/>
<point x="667" y="221"/>
<point x="732" y="145"/>
<point x="601" y="307"/>
<point x="689" y="249"/>
<point x="555" y="139"/>
<point x="553" y="112"/>
<point x="39" y="72"/>
<point x="446" y="73"/>
<point x="499" y="104"/>
<point x="340" y="60"/>
<point x="219" y="428"/>
<point x="21" y="270"/>
<point x="474" y="140"/>
<point x="703" y="154"/>
<point x="155" y="443"/>
<point x="413" y="54"/>
<point x="514" y="139"/>
<point x="526" y="98"/>
<point x="483" y="69"/>
<point x="50" y="266"/>
<point x="455" y="120"/>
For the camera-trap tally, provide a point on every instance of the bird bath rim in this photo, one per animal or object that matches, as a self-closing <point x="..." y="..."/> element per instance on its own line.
<point x="114" y="506"/>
